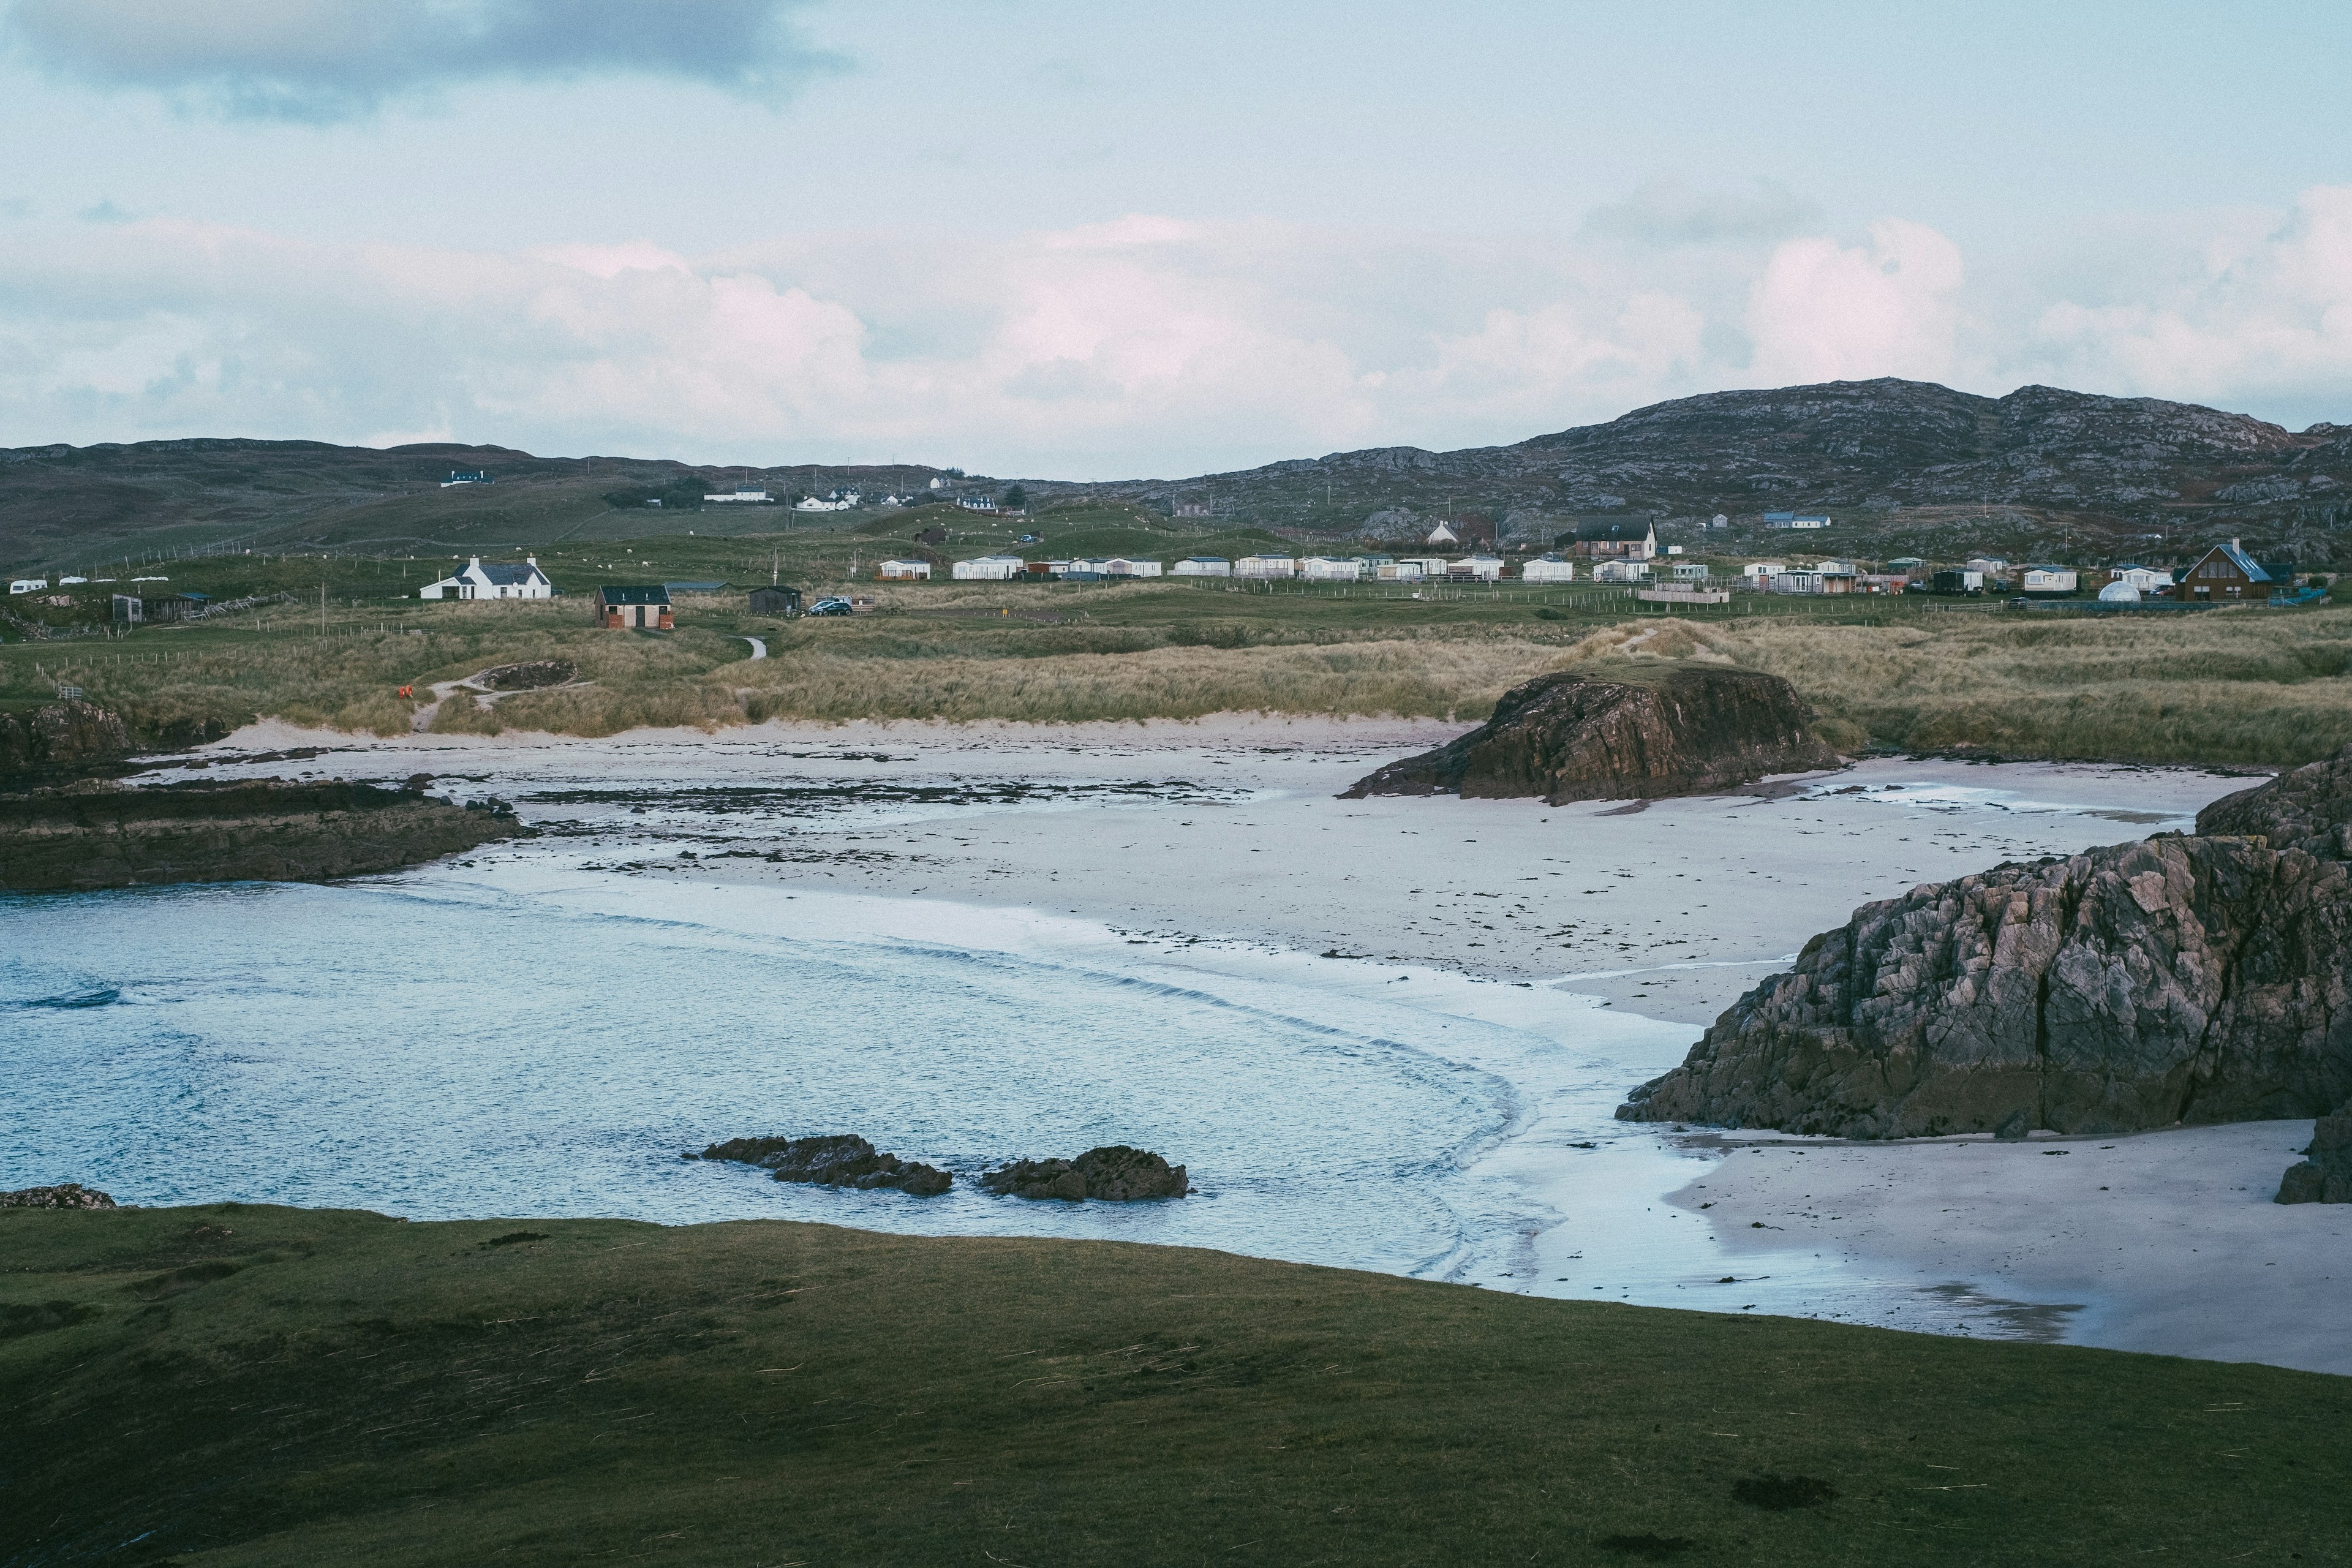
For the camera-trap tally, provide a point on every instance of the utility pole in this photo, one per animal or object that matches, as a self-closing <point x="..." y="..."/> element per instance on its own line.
<point x="323" y="609"/>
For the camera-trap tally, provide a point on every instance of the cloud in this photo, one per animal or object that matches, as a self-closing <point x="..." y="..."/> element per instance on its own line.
<point x="326" y="60"/>
<point x="1144" y="345"/>
<point x="1668" y="212"/>
<point x="1823" y="311"/>
<point x="2227" y="315"/>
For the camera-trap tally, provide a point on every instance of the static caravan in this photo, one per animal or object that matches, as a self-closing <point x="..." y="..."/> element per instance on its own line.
<point x="1549" y="569"/>
<point x="904" y="570"/>
<point x="1401" y="571"/>
<point x="1204" y="565"/>
<point x="1475" y="569"/>
<point x="1266" y="566"/>
<point x="987" y="568"/>
<point x="1332" y="568"/>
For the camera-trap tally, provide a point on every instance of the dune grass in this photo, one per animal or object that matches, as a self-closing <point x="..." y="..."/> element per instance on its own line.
<point x="235" y="1385"/>
<point x="2247" y="687"/>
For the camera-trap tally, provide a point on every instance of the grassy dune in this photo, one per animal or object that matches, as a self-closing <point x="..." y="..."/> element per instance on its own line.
<point x="247" y="1385"/>
<point x="2239" y="686"/>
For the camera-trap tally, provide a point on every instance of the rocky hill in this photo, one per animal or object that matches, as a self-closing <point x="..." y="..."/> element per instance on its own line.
<point x="1905" y="466"/>
<point x="1900" y="464"/>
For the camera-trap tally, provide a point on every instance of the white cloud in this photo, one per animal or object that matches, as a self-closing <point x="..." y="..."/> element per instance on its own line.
<point x="2234" y="317"/>
<point x="1823" y="311"/>
<point x="325" y="60"/>
<point x="1143" y="346"/>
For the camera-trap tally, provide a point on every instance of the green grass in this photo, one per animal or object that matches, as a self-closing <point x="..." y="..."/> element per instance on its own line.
<point x="253" y="1386"/>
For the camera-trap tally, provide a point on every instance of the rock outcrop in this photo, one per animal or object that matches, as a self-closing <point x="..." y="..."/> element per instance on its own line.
<point x="2324" y="1177"/>
<point x="2197" y="979"/>
<point x="64" y="1195"/>
<point x="1113" y="1174"/>
<point x="59" y="735"/>
<point x="1641" y="732"/>
<point x="102" y="836"/>
<point x="843" y="1160"/>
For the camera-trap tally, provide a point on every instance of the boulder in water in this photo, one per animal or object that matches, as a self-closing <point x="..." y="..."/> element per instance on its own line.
<point x="1113" y="1174"/>
<point x="1642" y="731"/>
<point x="841" y="1159"/>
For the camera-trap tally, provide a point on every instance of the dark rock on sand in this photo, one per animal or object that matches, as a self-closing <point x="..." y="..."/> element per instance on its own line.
<point x="65" y="1196"/>
<point x="98" y="834"/>
<point x="58" y="735"/>
<point x="1641" y="732"/>
<point x="2324" y="1177"/>
<point x="1113" y="1174"/>
<point x="2182" y="979"/>
<point x="529" y="676"/>
<point x="843" y="1160"/>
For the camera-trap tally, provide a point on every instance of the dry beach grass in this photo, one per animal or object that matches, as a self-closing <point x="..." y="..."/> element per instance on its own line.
<point x="2242" y="685"/>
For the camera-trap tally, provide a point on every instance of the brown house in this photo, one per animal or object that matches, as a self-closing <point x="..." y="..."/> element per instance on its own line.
<point x="633" y="608"/>
<point x="2226" y="573"/>
<point x="1613" y="539"/>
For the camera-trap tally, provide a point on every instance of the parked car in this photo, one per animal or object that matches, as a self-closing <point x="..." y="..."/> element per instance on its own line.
<point x="829" y="606"/>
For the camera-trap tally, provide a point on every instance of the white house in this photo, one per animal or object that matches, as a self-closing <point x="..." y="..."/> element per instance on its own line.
<point x="2050" y="580"/>
<point x="1332" y="568"/>
<point x="1442" y="535"/>
<point x="1266" y="566"/>
<point x="1205" y="566"/>
<point x="737" y="497"/>
<point x="478" y="476"/>
<point x="839" y="501"/>
<point x="1550" y="569"/>
<point x="2143" y="579"/>
<point x="1718" y="521"/>
<point x="977" y="503"/>
<point x="1834" y="568"/>
<point x="987" y="568"/>
<point x="499" y="580"/>
<point x="904" y="570"/>
<point x="1758" y="572"/>
<point x="72" y="582"/>
<point x="1805" y="519"/>
<point x="1477" y="568"/>
<point x="28" y="585"/>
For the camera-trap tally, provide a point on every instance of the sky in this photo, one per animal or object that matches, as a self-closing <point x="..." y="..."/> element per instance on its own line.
<point x="1080" y="241"/>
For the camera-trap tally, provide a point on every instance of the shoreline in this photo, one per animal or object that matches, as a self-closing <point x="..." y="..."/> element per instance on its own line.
<point x="1237" y="854"/>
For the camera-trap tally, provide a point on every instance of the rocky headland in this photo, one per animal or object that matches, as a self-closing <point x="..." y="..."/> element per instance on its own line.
<point x="1643" y="731"/>
<point x="840" y="1160"/>
<point x="1112" y="1174"/>
<point x="2187" y="978"/>
<point x="98" y="834"/>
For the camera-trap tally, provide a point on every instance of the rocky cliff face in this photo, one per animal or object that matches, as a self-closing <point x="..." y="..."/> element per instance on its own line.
<point x="106" y="836"/>
<point x="2204" y="978"/>
<point x="1637" y="732"/>
<point x="61" y="735"/>
<point x="2324" y="1177"/>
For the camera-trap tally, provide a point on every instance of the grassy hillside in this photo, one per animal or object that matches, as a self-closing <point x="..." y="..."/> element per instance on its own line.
<point x="245" y="1385"/>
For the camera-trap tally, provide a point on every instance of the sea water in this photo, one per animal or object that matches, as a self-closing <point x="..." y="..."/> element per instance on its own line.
<point x="440" y="1047"/>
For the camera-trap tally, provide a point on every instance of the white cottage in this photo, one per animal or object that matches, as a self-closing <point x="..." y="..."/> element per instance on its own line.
<point x="499" y="580"/>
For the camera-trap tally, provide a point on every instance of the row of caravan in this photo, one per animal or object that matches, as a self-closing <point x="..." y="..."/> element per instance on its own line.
<point x="1259" y="568"/>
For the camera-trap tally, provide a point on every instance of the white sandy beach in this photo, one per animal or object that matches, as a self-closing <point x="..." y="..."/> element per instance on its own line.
<point x="1238" y="850"/>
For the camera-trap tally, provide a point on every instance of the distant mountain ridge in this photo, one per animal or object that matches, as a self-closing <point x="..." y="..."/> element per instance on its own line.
<point x="1870" y="446"/>
<point x="1904" y="465"/>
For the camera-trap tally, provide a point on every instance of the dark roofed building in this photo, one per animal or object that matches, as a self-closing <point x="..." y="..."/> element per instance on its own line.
<point x="633" y="607"/>
<point x="778" y="600"/>
<point x="1612" y="538"/>
<point x="2226" y="571"/>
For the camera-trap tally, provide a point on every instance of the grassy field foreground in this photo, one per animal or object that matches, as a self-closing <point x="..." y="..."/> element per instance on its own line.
<point x="244" y="1385"/>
